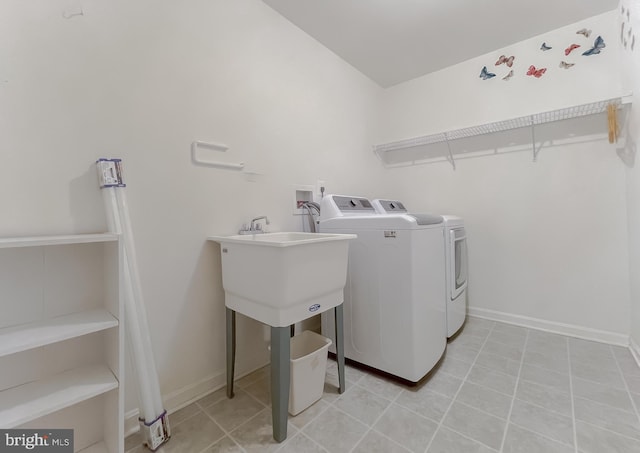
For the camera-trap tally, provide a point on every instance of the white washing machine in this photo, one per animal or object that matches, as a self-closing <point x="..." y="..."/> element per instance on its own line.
<point x="456" y="262"/>
<point x="394" y="298"/>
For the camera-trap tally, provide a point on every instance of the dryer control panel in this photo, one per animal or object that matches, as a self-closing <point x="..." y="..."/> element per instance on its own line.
<point x="353" y="204"/>
<point x="333" y="206"/>
<point x="389" y="206"/>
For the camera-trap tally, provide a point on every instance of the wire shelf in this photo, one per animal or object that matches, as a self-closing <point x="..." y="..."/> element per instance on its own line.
<point x="577" y="111"/>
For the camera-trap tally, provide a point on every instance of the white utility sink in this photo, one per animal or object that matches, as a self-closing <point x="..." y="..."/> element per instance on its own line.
<point x="283" y="278"/>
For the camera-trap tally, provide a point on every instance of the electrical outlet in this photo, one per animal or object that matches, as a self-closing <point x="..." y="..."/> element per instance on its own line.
<point x="321" y="183"/>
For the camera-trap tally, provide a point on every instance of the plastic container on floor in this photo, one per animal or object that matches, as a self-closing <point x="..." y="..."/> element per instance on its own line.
<point x="308" y="367"/>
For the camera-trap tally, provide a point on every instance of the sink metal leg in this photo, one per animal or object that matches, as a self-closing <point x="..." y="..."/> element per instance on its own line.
<point x="231" y="350"/>
<point x="339" y="316"/>
<point x="280" y="380"/>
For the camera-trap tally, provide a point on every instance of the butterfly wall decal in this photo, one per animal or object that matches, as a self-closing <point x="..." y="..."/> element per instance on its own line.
<point x="508" y="76"/>
<point x="537" y="73"/>
<point x="545" y="47"/>
<point x="598" y="45"/>
<point x="565" y="65"/>
<point x="505" y="60"/>
<point x="570" y="49"/>
<point x="584" y="31"/>
<point x="484" y="74"/>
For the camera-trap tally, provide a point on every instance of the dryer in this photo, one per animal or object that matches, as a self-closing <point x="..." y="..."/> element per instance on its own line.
<point x="394" y="298"/>
<point x="456" y="262"/>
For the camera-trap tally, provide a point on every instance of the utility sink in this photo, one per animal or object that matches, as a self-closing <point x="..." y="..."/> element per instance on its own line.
<point x="283" y="278"/>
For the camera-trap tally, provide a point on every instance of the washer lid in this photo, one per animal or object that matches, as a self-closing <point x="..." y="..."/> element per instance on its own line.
<point x="427" y="219"/>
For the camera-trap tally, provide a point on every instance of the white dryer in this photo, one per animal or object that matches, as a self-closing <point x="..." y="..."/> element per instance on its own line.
<point x="456" y="262"/>
<point x="394" y="298"/>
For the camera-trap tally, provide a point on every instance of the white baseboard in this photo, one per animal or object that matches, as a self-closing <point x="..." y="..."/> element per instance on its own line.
<point x="571" y="330"/>
<point x="180" y="398"/>
<point x="635" y="350"/>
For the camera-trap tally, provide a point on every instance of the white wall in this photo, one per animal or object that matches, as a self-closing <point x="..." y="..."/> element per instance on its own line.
<point x="547" y="240"/>
<point x="631" y="82"/>
<point x="141" y="80"/>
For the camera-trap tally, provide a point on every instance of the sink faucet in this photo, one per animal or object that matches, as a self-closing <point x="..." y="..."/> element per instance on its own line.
<point x="254" y="228"/>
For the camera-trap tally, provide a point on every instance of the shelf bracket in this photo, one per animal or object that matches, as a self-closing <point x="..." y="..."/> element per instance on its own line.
<point x="533" y="141"/>
<point x="450" y="158"/>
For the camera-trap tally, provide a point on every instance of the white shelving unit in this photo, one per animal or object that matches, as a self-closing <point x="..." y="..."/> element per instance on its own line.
<point x="424" y="149"/>
<point x="61" y="337"/>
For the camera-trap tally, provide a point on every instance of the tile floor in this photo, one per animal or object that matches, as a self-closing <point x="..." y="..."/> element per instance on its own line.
<point x="499" y="388"/>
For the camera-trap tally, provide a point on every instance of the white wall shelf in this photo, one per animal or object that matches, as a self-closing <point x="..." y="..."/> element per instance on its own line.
<point x="48" y="331"/>
<point x="62" y="337"/>
<point x="35" y="399"/>
<point x="416" y="150"/>
<point x="37" y="241"/>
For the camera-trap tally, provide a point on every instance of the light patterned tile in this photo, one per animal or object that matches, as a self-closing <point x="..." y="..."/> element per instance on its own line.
<point x="212" y="398"/>
<point x="224" y="445"/>
<point x="633" y="382"/>
<point x="476" y="330"/>
<point x="442" y="383"/>
<point x="545" y="377"/>
<point x="331" y="388"/>
<point x="469" y="341"/>
<point x="509" y="351"/>
<point x="362" y="404"/>
<point x="381" y="386"/>
<point x="193" y="434"/>
<point x="310" y="413"/>
<point x="516" y="340"/>
<point x="425" y="402"/>
<point x="498" y="363"/>
<point x="230" y="413"/>
<point x="260" y="390"/>
<point x="335" y="430"/>
<point x="592" y="439"/>
<point x="520" y="440"/>
<point x="550" y="424"/>
<point x="454" y="367"/>
<point x="554" y="362"/>
<point x="183" y="414"/>
<point x="510" y="329"/>
<point x="485" y="399"/>
<point x="404" y="427"/>
<point x="589" y="350"/>
<point x="603" y="394"/>
<point x="479" y="322"/>
<point x="596" y="371"/>
<point x="447" y="441"/>
<point x="256" y="435"/>
<point x="300" y="443"/>
<point x="546" y="397"/>
<point x="256" y="375"/>
<point x="351" y="373"/>
<point x="374" y="442"/>
<point x="495" y="380"/>
<point x="475" y="424"/>
<point x="621" y="422"/>
<point x="460" y="352"/>
<point x="627" y="364"/>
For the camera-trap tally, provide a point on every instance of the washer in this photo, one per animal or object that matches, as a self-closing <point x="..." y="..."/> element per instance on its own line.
<point x="394" y="298"/>
<point x="456" y="262"/>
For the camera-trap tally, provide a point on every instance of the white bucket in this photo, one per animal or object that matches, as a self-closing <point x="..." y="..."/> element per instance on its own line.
<point x="308" y="367"/>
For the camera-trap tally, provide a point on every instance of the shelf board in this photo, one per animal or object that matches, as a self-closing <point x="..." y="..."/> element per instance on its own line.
<point x="36" y="241"/>
<point x="33" y="400"/>
<point x="490" y="128"/>
<point x="36" y="334"/>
